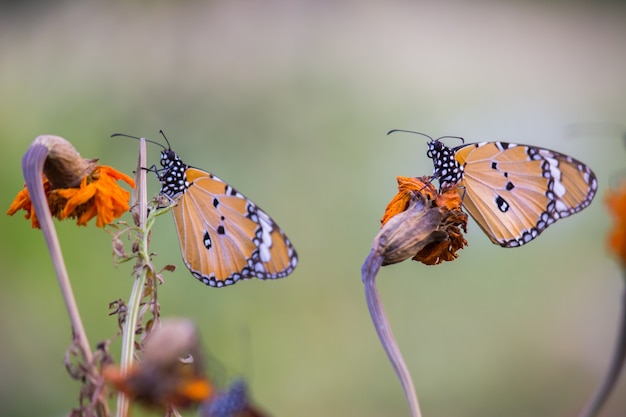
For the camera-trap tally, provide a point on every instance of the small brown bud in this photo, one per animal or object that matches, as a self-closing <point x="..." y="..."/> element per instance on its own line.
<point x="64" y="167"/>
<point x="408" y="232"/>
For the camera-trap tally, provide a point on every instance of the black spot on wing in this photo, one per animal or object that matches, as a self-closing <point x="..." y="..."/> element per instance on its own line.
<point x="503" y="206"/>
<point x="206" y="240"/>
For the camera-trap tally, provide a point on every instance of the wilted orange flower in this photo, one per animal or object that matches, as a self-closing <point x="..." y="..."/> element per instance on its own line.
<point x="171" y="372"/>
<point x="616" y="203"/>
<point x="452" y="221"/>
<point x="156" y="387"/>
<point x="98" y="195"/>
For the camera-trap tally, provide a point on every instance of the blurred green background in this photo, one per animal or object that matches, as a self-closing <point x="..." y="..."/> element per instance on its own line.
<point x="290" y="101"/>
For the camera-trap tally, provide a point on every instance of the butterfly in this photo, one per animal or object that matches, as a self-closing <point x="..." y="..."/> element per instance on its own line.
<point x="224" y="237"/>
<point x="514" y="192"/>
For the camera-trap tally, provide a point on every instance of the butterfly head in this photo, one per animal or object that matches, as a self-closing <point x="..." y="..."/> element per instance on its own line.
<point x="446" y="168"/>
<point x="169" y="158"/>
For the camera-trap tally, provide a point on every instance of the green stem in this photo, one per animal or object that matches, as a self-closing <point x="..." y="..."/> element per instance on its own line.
<point x="134" y="303"/>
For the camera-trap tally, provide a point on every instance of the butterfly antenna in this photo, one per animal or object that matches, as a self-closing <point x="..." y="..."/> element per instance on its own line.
<point x="409" y="131"/>
<point x="135" y="137"/>
<point x="424" y="134"/>
<point x="452" y="137"/>
<point x="167" y="141"/>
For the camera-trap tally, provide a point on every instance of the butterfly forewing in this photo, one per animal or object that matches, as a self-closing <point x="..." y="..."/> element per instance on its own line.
<point x="224" y="237"/>
<point x="515" y="191"/>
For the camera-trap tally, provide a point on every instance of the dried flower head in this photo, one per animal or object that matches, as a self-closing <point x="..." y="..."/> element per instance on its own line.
<point x="171" y="371"/>
<point x="75" y="188"/>
<point x="451" y="220"/>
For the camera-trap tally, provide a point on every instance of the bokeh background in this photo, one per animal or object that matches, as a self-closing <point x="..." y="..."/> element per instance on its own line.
<point x="290" y="101"/>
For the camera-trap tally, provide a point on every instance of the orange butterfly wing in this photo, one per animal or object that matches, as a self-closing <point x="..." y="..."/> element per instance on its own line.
<point x="514" y="192"/>
<point x="225" y="237"/>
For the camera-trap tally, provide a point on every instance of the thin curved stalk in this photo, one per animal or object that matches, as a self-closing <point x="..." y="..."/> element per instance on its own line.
<point x="381" y="324"/>
<point x="402" y="237"/>
<point x="32" y="168"/>
<point x="592" y="408"/>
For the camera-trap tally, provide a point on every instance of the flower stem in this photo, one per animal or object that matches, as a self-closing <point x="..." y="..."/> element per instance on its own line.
<point x="381" y="324"/>
<point x="32" y="168"/>
<point x="134" y="302"/>
<point x="594" y="405"/>
<point x="402" y="236"/>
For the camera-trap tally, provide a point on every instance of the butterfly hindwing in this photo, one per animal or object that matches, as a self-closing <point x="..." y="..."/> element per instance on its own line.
<point x="224" y="237"/>
<point x="514" y="192"/>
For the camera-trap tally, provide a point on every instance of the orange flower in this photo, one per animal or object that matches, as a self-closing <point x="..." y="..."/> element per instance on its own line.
<point x="452" y="217"/>
<point x="616" y="203"/>
<point x="97" y="195"/>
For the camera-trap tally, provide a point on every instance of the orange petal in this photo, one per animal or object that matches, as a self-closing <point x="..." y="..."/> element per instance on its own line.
<point x="22" y="202"/>
<point x="117" y="175"/>
<point x="616" y="204"/>
<point x="400" y="202"/>
<point x="195" y="390"/>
